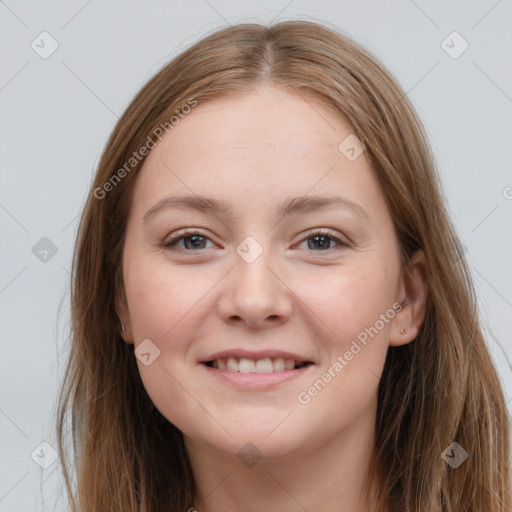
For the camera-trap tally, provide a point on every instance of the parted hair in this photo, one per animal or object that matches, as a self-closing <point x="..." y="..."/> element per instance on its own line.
<point x="119" y="454"/>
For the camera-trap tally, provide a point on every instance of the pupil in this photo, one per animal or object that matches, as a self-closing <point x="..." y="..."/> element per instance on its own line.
<point x="196" y="240"/>
<point x="316" y="238"/>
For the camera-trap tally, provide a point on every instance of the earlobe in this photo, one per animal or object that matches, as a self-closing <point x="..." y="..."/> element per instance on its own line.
<point x="413" y="299"/>
<point x="125" y="329"/>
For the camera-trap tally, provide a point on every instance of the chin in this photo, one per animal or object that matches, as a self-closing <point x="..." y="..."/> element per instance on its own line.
<point x="260" y="441"/>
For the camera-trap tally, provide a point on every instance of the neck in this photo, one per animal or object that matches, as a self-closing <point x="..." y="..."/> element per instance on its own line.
<point x="331" y="476"/>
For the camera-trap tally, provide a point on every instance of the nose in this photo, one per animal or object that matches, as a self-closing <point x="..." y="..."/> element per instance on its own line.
<point x="255" y="293"/>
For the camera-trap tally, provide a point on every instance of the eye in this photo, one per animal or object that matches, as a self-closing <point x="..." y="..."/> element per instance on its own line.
<point x="321" y="239"/>
<point x="192" y="240"/>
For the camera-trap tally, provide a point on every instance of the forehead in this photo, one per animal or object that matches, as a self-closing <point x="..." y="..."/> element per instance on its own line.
<point x="261" y="145"/>
<point x="262" y="124"/>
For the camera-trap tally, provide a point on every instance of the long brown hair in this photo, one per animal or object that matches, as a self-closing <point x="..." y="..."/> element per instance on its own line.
<point x="440" y="388"/>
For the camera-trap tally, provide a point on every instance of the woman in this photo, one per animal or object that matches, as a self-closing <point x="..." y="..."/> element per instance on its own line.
<point x="271" y="308"/>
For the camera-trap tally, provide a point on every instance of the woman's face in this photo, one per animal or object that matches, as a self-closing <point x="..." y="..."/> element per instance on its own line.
<point x="217" y="316"/>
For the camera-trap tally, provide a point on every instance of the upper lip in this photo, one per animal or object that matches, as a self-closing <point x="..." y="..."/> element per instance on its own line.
<point x="255" y="354"/>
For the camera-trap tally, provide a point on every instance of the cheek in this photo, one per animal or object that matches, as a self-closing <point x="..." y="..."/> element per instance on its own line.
<point x="159" y="296"/>
<point x="357" y="307"/>
<point x="351" y="298"/>
<point x="164" y="304"/>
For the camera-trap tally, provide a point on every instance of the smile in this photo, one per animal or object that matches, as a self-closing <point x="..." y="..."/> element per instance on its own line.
<point x="254" y="375"/>
<point x="264" y="365"/>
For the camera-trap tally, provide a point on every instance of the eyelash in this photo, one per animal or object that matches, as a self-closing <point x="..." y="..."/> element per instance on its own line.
<point x="189" y="233"/>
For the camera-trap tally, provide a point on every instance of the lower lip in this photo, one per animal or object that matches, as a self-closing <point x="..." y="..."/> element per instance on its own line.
<point x="255" y="380"/>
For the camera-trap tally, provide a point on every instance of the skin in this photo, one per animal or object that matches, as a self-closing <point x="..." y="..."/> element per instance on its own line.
<point x="253" y="150"/>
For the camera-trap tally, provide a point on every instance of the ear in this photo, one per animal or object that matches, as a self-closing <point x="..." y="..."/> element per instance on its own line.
<point x="124" y="318"/>
<point x="413" y="297"/>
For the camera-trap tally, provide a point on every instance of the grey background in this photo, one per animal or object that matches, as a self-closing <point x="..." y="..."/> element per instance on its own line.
<point x="56" y="114"/>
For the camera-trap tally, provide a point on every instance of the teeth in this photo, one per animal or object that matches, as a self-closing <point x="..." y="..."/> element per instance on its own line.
<point x="265" y="365"/>
<point x="246" y="365"/>
<point x="262" y="365"/>
<point x="289" y="364"/>
<point x="232" y="365"/>
<point x="278" y="364"/>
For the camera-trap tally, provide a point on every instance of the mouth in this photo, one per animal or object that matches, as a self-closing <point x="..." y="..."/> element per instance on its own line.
<point x="262" y="365"/>
<point x="256" y="371"/>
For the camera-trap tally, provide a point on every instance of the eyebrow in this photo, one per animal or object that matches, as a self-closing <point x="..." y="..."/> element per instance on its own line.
<point x="291" y="206"/>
